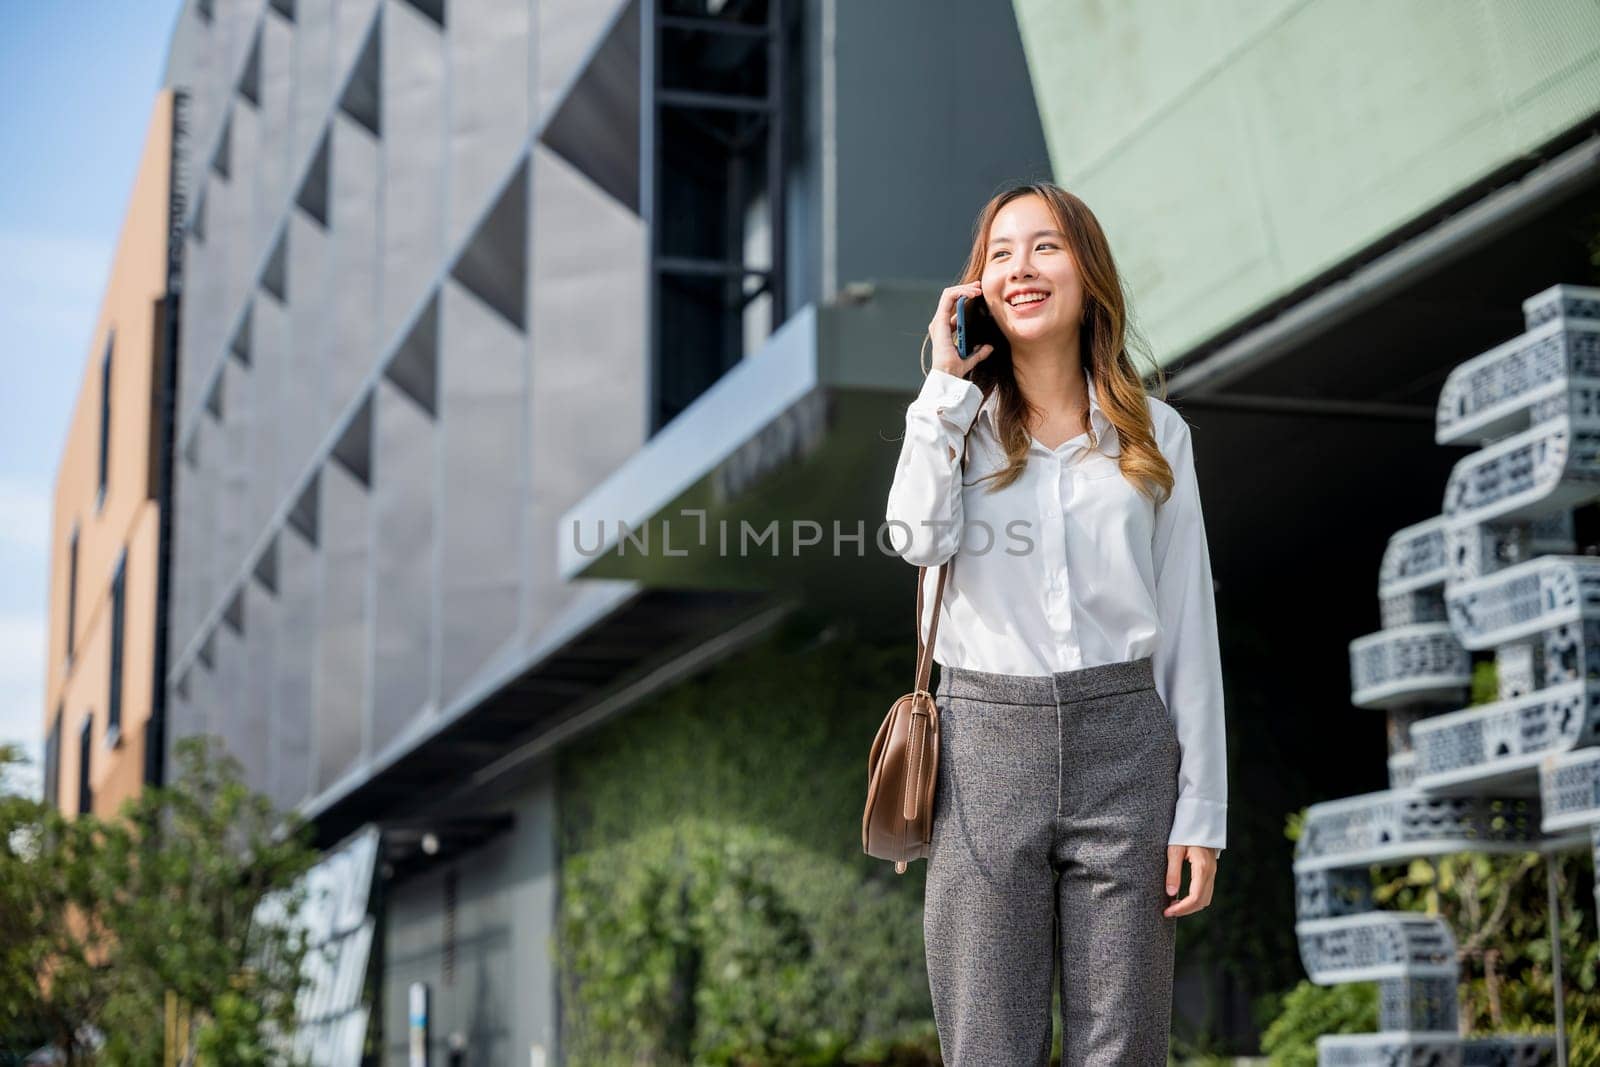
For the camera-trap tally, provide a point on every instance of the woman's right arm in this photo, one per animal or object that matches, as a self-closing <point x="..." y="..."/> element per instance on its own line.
<point x="926" y="494"/>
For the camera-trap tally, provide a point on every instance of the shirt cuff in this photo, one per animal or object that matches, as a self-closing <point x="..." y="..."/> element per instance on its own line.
<point x="953" y="400"/>
<point x="1200" y="822"/>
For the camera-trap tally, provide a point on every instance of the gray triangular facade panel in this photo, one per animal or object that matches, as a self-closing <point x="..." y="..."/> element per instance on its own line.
<point x="362" y="99"/>
<point x="354" y="448"/>
<point x="494" y="265"/>
<point x="303" y="516"/>
<point x="415" y="366"/>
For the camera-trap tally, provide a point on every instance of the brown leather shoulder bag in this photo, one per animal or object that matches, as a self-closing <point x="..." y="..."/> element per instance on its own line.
<point x="903" y="766"/>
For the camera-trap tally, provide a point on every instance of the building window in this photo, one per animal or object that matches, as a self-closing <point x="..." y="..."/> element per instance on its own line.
<point x="721" y="121"/>
<point x="52" y="761"/>
<point x="85" y="737"/>
<point x="72" y="592"/>
<point x="105" y="414"/>
<point x="114" y="702"/>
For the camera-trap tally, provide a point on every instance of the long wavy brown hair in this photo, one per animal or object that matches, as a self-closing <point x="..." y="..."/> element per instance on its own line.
<point x="1103" y="341"/>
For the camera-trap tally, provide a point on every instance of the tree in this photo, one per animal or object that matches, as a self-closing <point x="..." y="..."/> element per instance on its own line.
<point x="53" y="944"/>
<point x="101" y="918"/>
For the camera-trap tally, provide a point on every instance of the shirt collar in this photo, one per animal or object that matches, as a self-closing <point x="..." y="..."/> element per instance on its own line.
<point x="1098" y="419"/>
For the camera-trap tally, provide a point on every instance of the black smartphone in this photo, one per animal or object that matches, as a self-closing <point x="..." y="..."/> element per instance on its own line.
<point x="975" y="327"/>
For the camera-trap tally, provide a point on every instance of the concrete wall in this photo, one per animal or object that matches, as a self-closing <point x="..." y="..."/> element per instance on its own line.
<point x="484" y="960"/>
<point x="126" y="520"/>
<point x="412" y="338"/>
<point x="934" y="114"/>
<point x="1234" y="150"/>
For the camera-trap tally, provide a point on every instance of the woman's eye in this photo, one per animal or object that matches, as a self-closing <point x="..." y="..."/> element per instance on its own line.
<point x="1045" y="244"/>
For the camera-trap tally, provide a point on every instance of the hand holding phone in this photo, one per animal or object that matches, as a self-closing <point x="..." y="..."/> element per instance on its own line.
<point x="962" y="323"/>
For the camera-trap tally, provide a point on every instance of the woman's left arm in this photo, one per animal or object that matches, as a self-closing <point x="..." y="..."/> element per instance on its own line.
<point x="1187" y="661"/>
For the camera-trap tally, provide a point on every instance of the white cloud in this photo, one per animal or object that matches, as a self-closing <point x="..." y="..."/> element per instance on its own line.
<point x="50" y="291"/>
<point x="25" y="516"/>
<point x="53" y="262"/>
<point x="22" y="650"/>
<point x="54" y="279"/>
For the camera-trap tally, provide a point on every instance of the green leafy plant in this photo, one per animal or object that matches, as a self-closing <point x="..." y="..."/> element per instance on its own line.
<point x="1497" y="905"/>
<point x="716" y="905"/>
<point x="1308" y="1011"/>
<point x="101" y="918"/>
<point x="55" y="970"/>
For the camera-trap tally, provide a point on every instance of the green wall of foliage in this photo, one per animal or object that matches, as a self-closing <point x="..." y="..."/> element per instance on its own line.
<point x="716" y="904"/>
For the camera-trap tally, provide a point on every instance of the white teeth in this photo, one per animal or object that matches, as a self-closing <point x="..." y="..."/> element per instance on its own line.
<point x="1030" y="298"/>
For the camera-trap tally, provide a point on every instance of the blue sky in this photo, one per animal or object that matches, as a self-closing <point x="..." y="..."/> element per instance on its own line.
<point x="80" y="80"/>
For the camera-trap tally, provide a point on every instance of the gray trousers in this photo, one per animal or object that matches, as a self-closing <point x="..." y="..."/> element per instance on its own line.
<point x="1055" y="798"/>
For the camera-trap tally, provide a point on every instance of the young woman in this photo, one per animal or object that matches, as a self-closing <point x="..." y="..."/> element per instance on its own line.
<point x="1082" y="758"/>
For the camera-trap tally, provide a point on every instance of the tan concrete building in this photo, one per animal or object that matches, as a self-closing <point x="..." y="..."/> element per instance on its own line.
<point x="102" y="710"/>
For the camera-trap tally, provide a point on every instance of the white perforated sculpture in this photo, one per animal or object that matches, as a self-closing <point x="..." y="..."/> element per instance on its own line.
<point x="1494" y="571"/>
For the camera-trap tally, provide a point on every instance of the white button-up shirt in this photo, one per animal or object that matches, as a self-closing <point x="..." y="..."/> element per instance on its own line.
<point x="1069" y="566"/>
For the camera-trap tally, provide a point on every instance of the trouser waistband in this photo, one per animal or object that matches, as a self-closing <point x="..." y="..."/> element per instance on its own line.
<point x="1082" y="683"/>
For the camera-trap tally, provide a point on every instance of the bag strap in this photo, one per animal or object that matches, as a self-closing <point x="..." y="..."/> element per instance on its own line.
<point x="925" y="649"/>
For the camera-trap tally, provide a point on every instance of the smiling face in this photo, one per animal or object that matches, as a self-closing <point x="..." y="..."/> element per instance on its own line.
<point x="1027" y="252"/>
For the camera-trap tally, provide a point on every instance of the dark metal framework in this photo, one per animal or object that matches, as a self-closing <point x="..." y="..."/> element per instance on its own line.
<point x="119" y="607"/>
<point x="52" y="760"/>
<point x="717" y="110"/>
<point x="164" y="427"/>
<point x="85" y="757"/>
